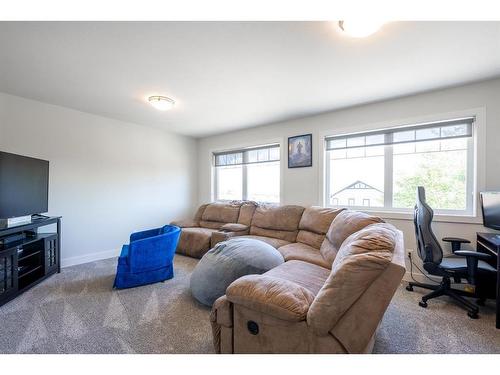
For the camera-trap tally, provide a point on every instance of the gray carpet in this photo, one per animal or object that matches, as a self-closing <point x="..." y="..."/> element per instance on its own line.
<point x="78" y="312"/>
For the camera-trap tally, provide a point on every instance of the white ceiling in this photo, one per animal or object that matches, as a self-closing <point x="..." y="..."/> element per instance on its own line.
<point x="231" y="75"/>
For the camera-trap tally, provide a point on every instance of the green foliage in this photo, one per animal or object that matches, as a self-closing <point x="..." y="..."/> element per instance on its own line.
<point x="443" y="176"/>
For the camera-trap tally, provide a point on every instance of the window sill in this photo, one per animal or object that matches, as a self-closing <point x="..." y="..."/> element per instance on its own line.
<point x="408" y="216"/>
<point x="442" y="218"/>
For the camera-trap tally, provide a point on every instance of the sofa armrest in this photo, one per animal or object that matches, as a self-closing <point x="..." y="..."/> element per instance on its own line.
<point x="234" y="227"/>
<point x="282" y="299"/>
<point x="221" y="319"/>
<point x="188" y="223"/>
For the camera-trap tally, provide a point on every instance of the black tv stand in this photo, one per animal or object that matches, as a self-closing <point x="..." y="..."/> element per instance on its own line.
<point x="29" y="257"/>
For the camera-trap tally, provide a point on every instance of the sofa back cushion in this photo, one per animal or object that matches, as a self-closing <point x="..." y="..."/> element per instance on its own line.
<point x="247" y="210"/>
<point x="343" y="225"/>
<point x="314" y="224"/>
<point x="280" y="222"/>
<point x="362" y="258"/>
<point x="217" y="214"/>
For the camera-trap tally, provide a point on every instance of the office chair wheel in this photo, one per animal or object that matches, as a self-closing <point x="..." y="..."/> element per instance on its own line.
<point x="409" y="288"/>
<point x="422" y="304"/>
<point x="473" y="314"/>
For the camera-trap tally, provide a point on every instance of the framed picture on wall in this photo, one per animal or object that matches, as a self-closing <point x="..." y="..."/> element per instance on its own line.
<point x="300" y="151"/>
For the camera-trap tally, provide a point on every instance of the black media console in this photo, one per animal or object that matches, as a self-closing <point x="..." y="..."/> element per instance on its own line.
<point x="28" y="257"/>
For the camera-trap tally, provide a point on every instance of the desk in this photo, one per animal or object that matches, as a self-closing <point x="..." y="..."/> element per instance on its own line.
<point x="490" y="243"/>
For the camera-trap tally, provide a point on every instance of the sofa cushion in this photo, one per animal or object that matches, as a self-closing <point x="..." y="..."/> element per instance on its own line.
<point x="221" y="212"/>
<point x="360" y="260"/>
<point x="194" y="242"/>
<point x="247" y="210"/>
<point x="345" y="223"/>
<point x="300" y="251"/>
<point x="234" y="227"/>
<point x="314" y="224"/>
<point x="288" y="236"/>
<point x="318" y="219"/>
<point x="280" y="298"/>
<point x="308" y="275"/>
<point x="211" y="224"/>
<point x="274" y="242"/>
<point x="310" y="238"/>
<point x="280" y="218"/>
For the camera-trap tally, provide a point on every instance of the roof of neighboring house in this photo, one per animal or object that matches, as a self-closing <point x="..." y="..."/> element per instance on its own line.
<point x="351" y="186"/>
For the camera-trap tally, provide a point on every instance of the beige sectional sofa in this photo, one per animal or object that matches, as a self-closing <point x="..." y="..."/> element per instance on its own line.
<point x="341" y="270"/>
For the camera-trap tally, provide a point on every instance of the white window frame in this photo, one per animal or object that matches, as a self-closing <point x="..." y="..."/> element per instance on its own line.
<point x="476" y="164"/>
<point x="213" y="183"/>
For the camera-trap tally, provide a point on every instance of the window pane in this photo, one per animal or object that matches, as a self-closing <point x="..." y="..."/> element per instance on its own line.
<point x="374" y="151"/>
<point x="263" y="182"/>
<point x="454" y="144"/>
<point x="274" y="153"/>
<point x="356" y="141"/>
<point x="221" y="160"/>
<point x="338" y="154"/>
<point x="404" y="148"/>
<point x="337" y="143"/>
<point x="404" y="136"/>
<point x="442" y="173"/>
<point x="376" y="139"/>
<point x="355" y="152"/>
<point x="454" y="130"/>
<point x="235" y="158"/>
<point x="427" y="146"/>
<point x="229" y="182"/>
<point x="263" y="155"/>
<point x="252" y="156"/>
<point x="356" y="181"/>
<point x="429" y="133"/>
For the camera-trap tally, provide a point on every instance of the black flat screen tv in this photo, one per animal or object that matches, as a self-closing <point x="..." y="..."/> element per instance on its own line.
<point x="24" y="185"/>
<point x="490" y="204"/>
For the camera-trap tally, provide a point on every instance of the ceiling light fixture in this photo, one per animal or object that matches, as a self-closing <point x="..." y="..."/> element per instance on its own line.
<point x="161" y="103"/>
<point x="360" y="28"/>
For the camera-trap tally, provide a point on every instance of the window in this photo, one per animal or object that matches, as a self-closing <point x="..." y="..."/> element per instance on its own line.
<point x="382" y="169"/>
<point x="252" y="173"/>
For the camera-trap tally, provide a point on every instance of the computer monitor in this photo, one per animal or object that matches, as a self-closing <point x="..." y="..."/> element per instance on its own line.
<point x="490" y="204"/>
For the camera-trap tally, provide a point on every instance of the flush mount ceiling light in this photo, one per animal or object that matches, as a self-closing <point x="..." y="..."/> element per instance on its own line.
<point x="360" y="28"/>
<point x="161" y="103"/>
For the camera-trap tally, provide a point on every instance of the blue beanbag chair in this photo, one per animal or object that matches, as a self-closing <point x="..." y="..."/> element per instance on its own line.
<point x="228" y="261"/>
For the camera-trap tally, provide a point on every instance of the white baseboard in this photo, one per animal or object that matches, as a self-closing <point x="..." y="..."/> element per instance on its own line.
<point x="73" y="261"/>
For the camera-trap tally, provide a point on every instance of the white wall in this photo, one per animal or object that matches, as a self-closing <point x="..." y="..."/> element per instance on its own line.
<point x="107" y="178"/>
<point x="304" y="186"/>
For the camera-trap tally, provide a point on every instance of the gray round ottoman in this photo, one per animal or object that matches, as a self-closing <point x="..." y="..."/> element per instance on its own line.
<point x="228" y="261"/>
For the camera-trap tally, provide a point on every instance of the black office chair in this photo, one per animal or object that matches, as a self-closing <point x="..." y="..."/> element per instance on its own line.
<point x="468" y="265"/>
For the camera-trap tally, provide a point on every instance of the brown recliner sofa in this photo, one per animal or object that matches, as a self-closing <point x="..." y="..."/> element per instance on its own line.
<point x="302" y="307"/>
<point x="341" y="270"/>
<point x="197" y="235"/>
<point x="297" y="232"/>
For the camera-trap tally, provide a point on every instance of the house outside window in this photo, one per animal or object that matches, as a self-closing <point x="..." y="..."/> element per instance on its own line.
<point x="249" y="174"/>
<point x="382" y="169"/>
